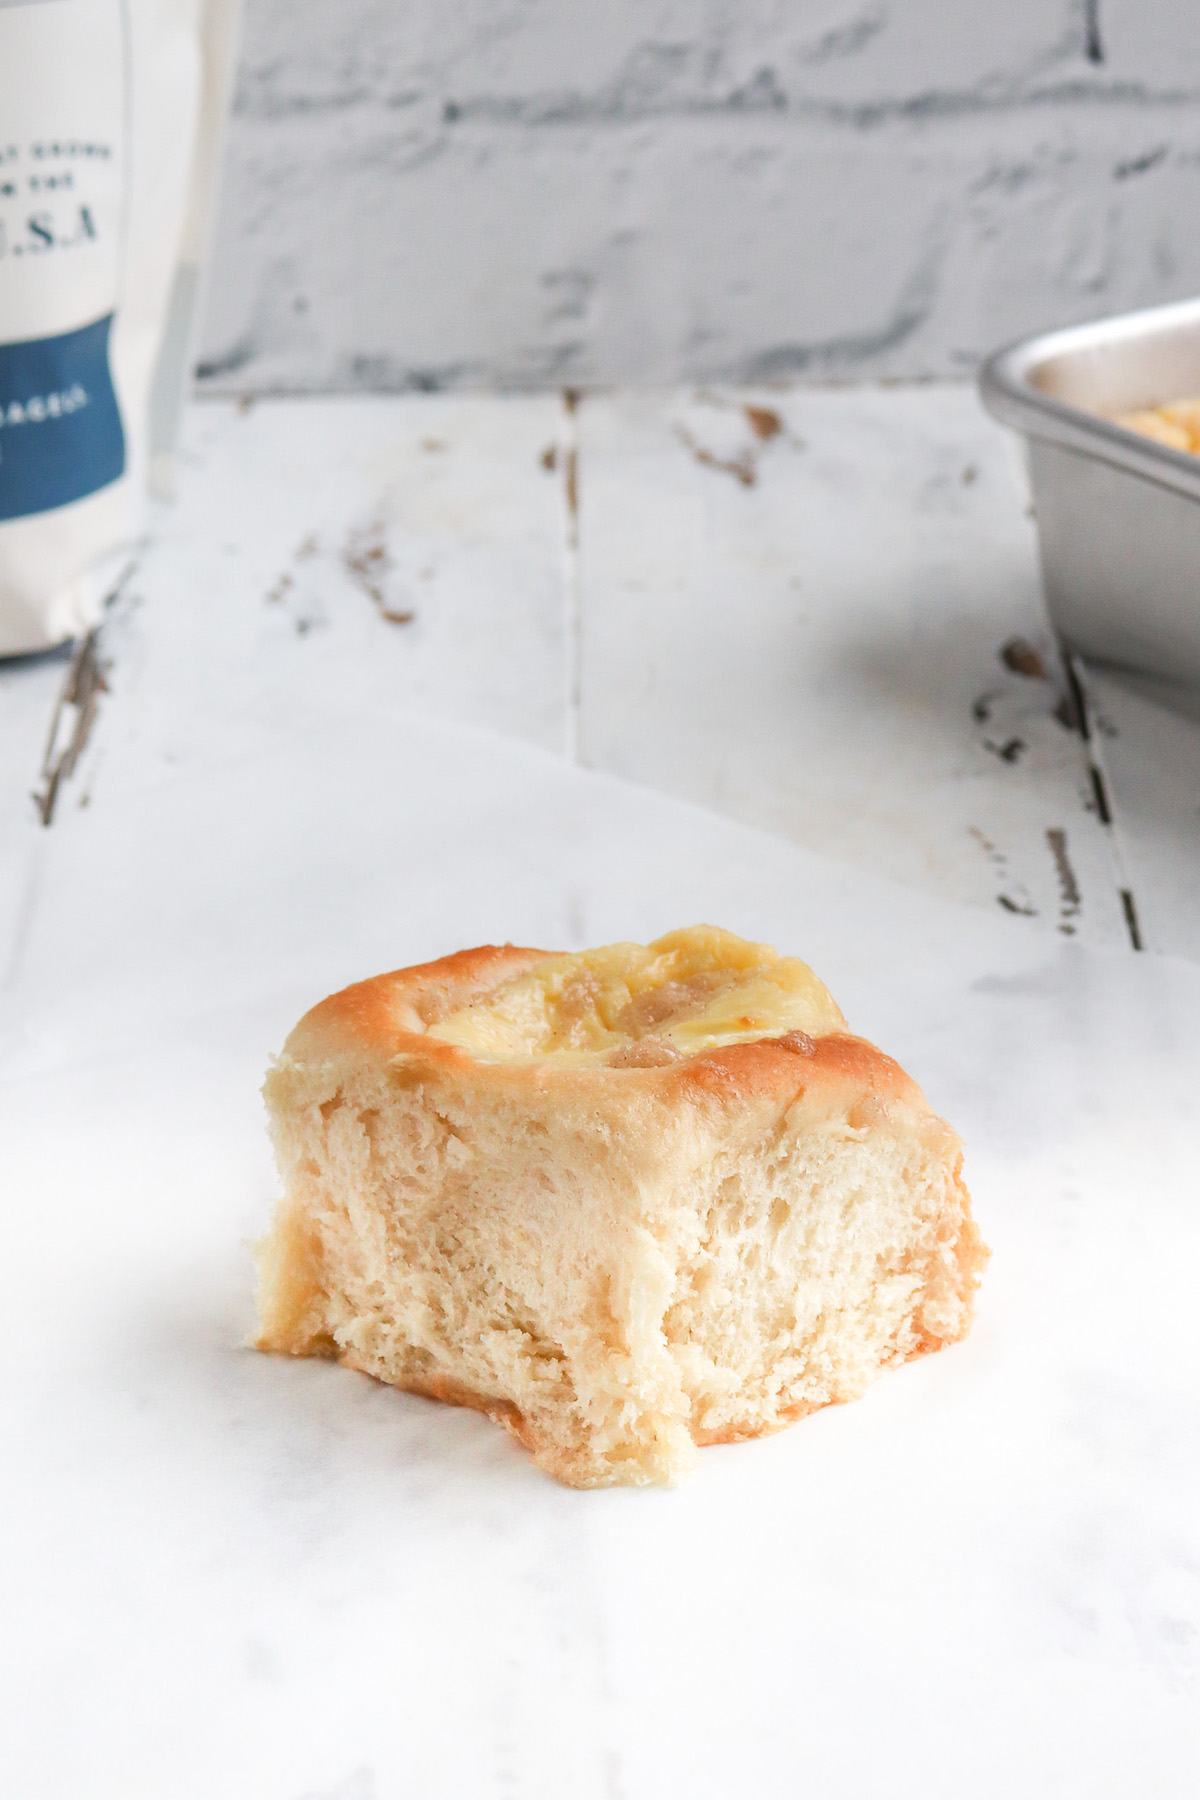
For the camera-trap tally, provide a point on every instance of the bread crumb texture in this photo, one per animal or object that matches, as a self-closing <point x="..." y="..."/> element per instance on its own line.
<point x="627" y="1202"/>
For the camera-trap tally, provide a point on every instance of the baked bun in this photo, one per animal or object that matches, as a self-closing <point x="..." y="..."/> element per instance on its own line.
<point x="626" y="1202"/>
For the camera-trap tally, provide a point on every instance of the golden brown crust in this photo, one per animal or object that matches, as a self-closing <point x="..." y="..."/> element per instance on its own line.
<point x="959" y="1232"/>
<point x="573" y="1472"/>
<point x="453" y="1393"/>
<point x="766" y="1065"/>
<point x="383" y="1019"/>
<point x="742" y="1434"/>
<point x="388" y="1013"/>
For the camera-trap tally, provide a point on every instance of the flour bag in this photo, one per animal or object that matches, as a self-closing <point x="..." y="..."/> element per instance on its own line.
<point x="110" y="117"/>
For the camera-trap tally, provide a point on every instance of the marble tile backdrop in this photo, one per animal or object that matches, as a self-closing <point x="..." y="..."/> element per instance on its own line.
<point x="532" y="192"/>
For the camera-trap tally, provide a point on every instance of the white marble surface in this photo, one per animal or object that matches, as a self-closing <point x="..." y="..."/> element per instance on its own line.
<point x="276" y="1581"/>
<point x="528" y="192"/>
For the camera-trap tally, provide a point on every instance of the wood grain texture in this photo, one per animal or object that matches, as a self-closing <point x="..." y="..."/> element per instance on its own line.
<point x="836" y="631"/>
<point x="1147" y="741"/>
<point x="813" y="611"/>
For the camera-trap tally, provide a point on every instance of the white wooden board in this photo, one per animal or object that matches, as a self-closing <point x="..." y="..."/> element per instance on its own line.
<point x="29" y="692"/>
<point x="806" y="629"/>
<point x="1147" y="741"/>
<point x="347" y="553"/>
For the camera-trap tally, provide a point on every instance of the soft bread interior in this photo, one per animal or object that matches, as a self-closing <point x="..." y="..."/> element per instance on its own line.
<point x="619" y="1262"/>
<point x="810" y="1262"/>
<point x="524" y="1293"/>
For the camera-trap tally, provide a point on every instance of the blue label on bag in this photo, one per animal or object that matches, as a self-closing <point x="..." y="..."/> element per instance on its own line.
<point x="60" y="426"/>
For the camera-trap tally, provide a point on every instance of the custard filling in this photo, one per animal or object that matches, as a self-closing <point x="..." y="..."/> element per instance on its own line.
<point x="635" y="1005"/>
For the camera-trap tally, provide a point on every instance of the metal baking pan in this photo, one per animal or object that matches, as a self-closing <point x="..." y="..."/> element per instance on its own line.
<point x="1118" y="515"/>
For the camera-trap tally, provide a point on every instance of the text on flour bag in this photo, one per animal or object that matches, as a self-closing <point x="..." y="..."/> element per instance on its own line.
<point x="107" y="150"/>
